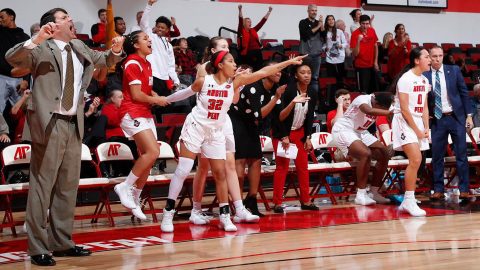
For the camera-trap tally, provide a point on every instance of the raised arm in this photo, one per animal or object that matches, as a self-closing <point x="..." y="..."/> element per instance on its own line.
<point x="145" y="21"/>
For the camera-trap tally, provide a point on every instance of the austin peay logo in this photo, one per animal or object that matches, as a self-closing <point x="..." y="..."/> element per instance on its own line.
<point x="113" y="149"/>
<point x="262" y="141"/>
<point x="322" y="139"/>
<point x="21" y="152"/>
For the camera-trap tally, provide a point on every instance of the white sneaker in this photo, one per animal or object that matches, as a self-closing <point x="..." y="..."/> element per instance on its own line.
<point x="226" y="223"/>
<point x="167" y="220"/>
<point x="125" y="193"/>
<point x="137" y="211"/>
<point x="410" y="206"/>
<point x="364" y="200"/>
<point x="243" y="215"/>
<point x="378" y="198"/>
<point x="197" y="217"/>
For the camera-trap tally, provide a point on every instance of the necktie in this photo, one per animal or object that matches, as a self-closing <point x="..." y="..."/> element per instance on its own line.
<point x="438" y="96"/>
<point x="67" y="98"/>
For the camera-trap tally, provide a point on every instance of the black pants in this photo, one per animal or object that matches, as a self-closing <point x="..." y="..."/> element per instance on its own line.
<point x="160" y="87"/>
<point x="367" y="80"/>
<point x="337" y="71"/>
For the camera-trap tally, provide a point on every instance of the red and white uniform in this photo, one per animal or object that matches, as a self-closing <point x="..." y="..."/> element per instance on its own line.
<point x="203" y="129"/>
<point x="136" y="116"/>
<point x="417" y="88"/>
<point x="353" y="125"/>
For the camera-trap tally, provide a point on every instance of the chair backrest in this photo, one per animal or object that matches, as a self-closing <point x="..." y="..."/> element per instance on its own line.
<point x="86" y="155"/>
<point x="111" y="151"/>
<point x="16" y="154"/>
<point x="266" y="143"/>
<point x="166" y="151"/>
<point x="387" y="137"/>
<point x="321" y="140"/>
<point x="476" y="135"/>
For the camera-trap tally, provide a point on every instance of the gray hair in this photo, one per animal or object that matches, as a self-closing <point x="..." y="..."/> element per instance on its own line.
<point x="311" y="6"/>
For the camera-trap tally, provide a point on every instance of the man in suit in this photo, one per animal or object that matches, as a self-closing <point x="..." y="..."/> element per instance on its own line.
<point x="62" y="68"/>
<point x="451" y="112"/>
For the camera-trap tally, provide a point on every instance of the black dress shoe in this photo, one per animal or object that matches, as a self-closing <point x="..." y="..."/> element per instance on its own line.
<point x="311" y="206"/>
<point x="76" y="251"/>
<point x="42" y="260"/>
<point x="278" y="209"/>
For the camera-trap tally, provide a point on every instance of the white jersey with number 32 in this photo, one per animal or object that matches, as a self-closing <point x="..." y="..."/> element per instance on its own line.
<point x="213" y="102"/>
<point x="417" y="88"/>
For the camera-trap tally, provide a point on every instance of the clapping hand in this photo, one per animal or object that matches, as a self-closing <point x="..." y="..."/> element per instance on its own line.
<point x="117" y="44"/>
<point x="280" y="91"/>
<point x="301" y="98"/>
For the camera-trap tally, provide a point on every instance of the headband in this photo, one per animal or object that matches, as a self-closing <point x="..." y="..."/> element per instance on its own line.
<point x="219" y="58"/>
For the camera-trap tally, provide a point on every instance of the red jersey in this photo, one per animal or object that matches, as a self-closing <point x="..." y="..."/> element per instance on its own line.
<point x="366" y="57"/>
<point x="136" y="71"/>
<point x="113" y="121"/>
<point x="330" y="115"/>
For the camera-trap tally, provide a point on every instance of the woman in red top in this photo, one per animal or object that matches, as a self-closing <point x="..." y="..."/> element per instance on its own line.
<point x="111" y="110"/>
<point x="137" y="119"/>
<point x="251" y="48"/>
<point x="398" y="51"/>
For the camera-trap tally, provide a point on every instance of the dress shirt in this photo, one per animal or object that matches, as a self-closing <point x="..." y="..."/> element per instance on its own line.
<point x="446" y="105"/>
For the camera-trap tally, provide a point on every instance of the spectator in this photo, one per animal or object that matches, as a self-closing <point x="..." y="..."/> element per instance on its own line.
<point x="99" y="30"/>
<point x="341" y="25"/>
<point x="398" y="51"/>
<point x="115" y="27"/>
<point x="10" y="36"/>
<point x="137" y="26"/>
<point x="4" y="138"/>
<point x="466" y="72"/>
<point x="311" y="42"/>
<point x="365" y="50"/>
<point x="448" y="59"/>
<point x="250" y="46"/>
<point x="355" y="14"/>
<point x="342" y="97"/>
<point x="34" y="29"/>
<point x="120" y="26"/>
<point x="383" y="48"/>
<point x="185" y="59"/>
<point x="476" y="105"/>
<point x="175" y="32"/>
<point x="18" y="112"/>
<point x="335" y="44"/>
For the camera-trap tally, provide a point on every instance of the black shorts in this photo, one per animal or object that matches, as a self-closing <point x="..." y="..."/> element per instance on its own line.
<point x="247" y="138"/>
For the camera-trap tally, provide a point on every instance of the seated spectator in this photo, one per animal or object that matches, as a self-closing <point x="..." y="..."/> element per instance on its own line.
<point x="18" y="113"/>
<point x="466" y="72"/>
<point x="98" y="30"/>
<point x="342" y="97"/>
<point x="448" y="59"/>
<point x="4" y="138"/>
<point x="476" y="105"/>
<point x="185" y="59"/>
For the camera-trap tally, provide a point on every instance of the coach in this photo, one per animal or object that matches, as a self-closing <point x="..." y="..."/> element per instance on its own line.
<point x="449" y="105"/>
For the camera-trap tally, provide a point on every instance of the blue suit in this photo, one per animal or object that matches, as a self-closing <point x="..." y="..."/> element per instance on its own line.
<point x="453" y="124"/>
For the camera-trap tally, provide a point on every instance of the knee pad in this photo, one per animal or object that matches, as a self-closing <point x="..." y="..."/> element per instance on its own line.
<point x="184" y="167"/>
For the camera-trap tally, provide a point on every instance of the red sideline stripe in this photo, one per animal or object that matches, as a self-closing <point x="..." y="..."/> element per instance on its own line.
<point x="470" y="6"/>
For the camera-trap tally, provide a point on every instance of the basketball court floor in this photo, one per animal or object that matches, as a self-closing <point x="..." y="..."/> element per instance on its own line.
<point x="343" y="236"/>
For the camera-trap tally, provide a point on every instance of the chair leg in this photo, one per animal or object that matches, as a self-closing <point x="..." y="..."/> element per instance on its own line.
<point x="264" y="198"/>
<point x="329" y="191"/>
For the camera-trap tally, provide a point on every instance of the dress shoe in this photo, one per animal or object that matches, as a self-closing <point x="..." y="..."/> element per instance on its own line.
<point x="437" y="196"/>
<point x="464" y="195"/>
<point x="311" y="207"/>
<point x="76" y="251"/>
<point x="42" y="260"/>
<point x="278" y="209"/>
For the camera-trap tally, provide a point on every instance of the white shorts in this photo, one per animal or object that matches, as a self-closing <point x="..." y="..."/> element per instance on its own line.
<point x="344" y="138"/>
<point x="131" y="126"/>
<point x="403" y="134"/>
<point x="209" y="142"/>
<point x="229" y="138"/>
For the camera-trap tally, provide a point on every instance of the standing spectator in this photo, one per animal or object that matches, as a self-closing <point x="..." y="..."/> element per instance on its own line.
<point x="335" y="48"/>
<point x="99" y="30"/>
<point x="10" y="36"/>
<point x="162" y="58"/>
<point x="137" y="26"/>
<point x="250" y="46"/>
<point x="452" y="112"/>
<point x="311" y="42"/>
<point x="342" y="97"/>
<point x="175" y="32"/>
<point x="355" y="14"/>
<point x="383" y="48"/>
<point x="294" y="125"/>
<point x="476" y="105"/>
<point x="398" y="51"/>
<point x="341" y="25"/>
<point x="186" y="60"/>
<point x="120" y="26"/>
<point x="56" y="126"/>
<point x="365" y="50"/>
<point x="34" y="29"/>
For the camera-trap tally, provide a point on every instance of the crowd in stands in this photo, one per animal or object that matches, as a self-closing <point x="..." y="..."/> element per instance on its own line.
<point x="354" y="58"/>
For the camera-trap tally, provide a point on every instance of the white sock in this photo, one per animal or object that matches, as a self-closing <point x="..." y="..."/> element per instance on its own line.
<point x="131" y="179"/>
<point x="410" y="195"/>
<point x="222" y="204"/>
<point x="181" y="173"/>
<point x="374" y="189"/>
<point x="238" y="204"/>
<point x="197" y="206"/>
<point x="361" y="191"/>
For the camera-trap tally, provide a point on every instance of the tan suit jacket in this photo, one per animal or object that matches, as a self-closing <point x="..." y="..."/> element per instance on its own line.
<point x="45" y="64"/>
